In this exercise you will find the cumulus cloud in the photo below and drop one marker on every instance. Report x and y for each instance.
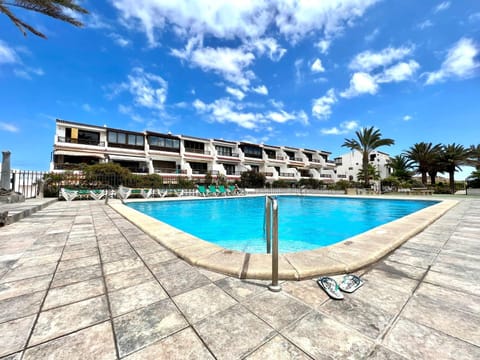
(230, 63)
(268, 46)
(460, 63)
(239, 94)
(8, 127)
(407, 118)
(226, 19)
(221, 18)
(442, 6)
(367, 61)
(322, 107)
(119, 40)
(361, 83)
(323, 45)
(262, 90)
(399, 72)
(344, 128)
(148, 90)
(225, 110)
(317, 66)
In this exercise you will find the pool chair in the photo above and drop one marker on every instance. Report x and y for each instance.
(201, 190)
(160, 192)
(231, 190)
(68, 194)
(123, 192)
(212, 190)
(221, 190)
(97, 194)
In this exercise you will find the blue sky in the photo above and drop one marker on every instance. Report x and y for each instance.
(286, 72)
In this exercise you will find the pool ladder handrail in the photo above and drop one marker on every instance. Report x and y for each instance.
(271, 233)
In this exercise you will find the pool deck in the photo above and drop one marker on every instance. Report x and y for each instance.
(80, 281)
(349, 255)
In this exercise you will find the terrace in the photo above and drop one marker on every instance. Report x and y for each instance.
(88, 283)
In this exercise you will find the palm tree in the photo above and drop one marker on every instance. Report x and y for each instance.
(474, 158)
(373, 173)
(53, 8)
(425, 156)
(452, 156)
(401, 167)
(367, 140)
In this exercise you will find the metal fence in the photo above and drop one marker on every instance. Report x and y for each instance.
(26, 182)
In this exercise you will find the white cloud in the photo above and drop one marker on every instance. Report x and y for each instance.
(298, 70)
(87, 107)
(226, 19)
(230, 63)
(399, 72)
(7, 54)
(368, 61)
(8, 127)
(474, 17)
(361, 83)
(372, 36)
(322, 107)
(27, 72)
(425, 24)
(148, 90)
(262, 90)
(221, 18)
(270, 46)
(239, 94)
(407, 118)
(460, 62)
(317, 66)
(224, 110)
(283, 116)
(296, 19)
(323, 45)
(344, 128)
(119, 40)
(442, 6)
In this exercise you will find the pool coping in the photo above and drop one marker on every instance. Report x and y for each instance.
(346, 256)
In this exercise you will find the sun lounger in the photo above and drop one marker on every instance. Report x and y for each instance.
(212, 190)
(221, 190)
(68, 194)
(201, 190)
(97, 194)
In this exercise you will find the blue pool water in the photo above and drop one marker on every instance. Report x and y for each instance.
(305, 223)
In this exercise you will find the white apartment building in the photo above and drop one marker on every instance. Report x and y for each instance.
(172, 156)
(348, 165)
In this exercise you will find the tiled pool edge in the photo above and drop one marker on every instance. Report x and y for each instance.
(349, 255)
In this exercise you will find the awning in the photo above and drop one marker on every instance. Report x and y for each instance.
(78, 153)
(127, 158)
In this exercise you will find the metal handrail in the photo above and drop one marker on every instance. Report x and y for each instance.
(271, 229)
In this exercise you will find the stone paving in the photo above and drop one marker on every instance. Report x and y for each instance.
(78, 281)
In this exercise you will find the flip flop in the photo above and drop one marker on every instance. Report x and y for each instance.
(331, 287)
(350, 283)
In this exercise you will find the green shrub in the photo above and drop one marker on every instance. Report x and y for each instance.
(252, 179)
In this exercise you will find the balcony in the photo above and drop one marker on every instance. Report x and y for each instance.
(316, 161)
(280, 157)
(287, 175)
(235, 155)
(327, 176)
(80, 141)
(298, 159)
(169, 171)
(268, 174)
(197, 151)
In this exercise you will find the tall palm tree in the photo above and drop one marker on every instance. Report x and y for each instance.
(367, 140)
(401, 167)
(474, 158)
(452, 156)
(425, 156)
(53, 8)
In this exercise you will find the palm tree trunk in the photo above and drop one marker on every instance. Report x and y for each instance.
(366, 176)
(451, 178)
(433, 177)
(424, 178)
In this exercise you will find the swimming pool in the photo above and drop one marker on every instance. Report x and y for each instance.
(305, 222)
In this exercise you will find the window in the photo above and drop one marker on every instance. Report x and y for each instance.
(229, 168)
(252, 151)
(309, 156)
(129, 140)
(272, 154)
(164, 143)
(194, 146)
(290, 155)
(224, 150)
